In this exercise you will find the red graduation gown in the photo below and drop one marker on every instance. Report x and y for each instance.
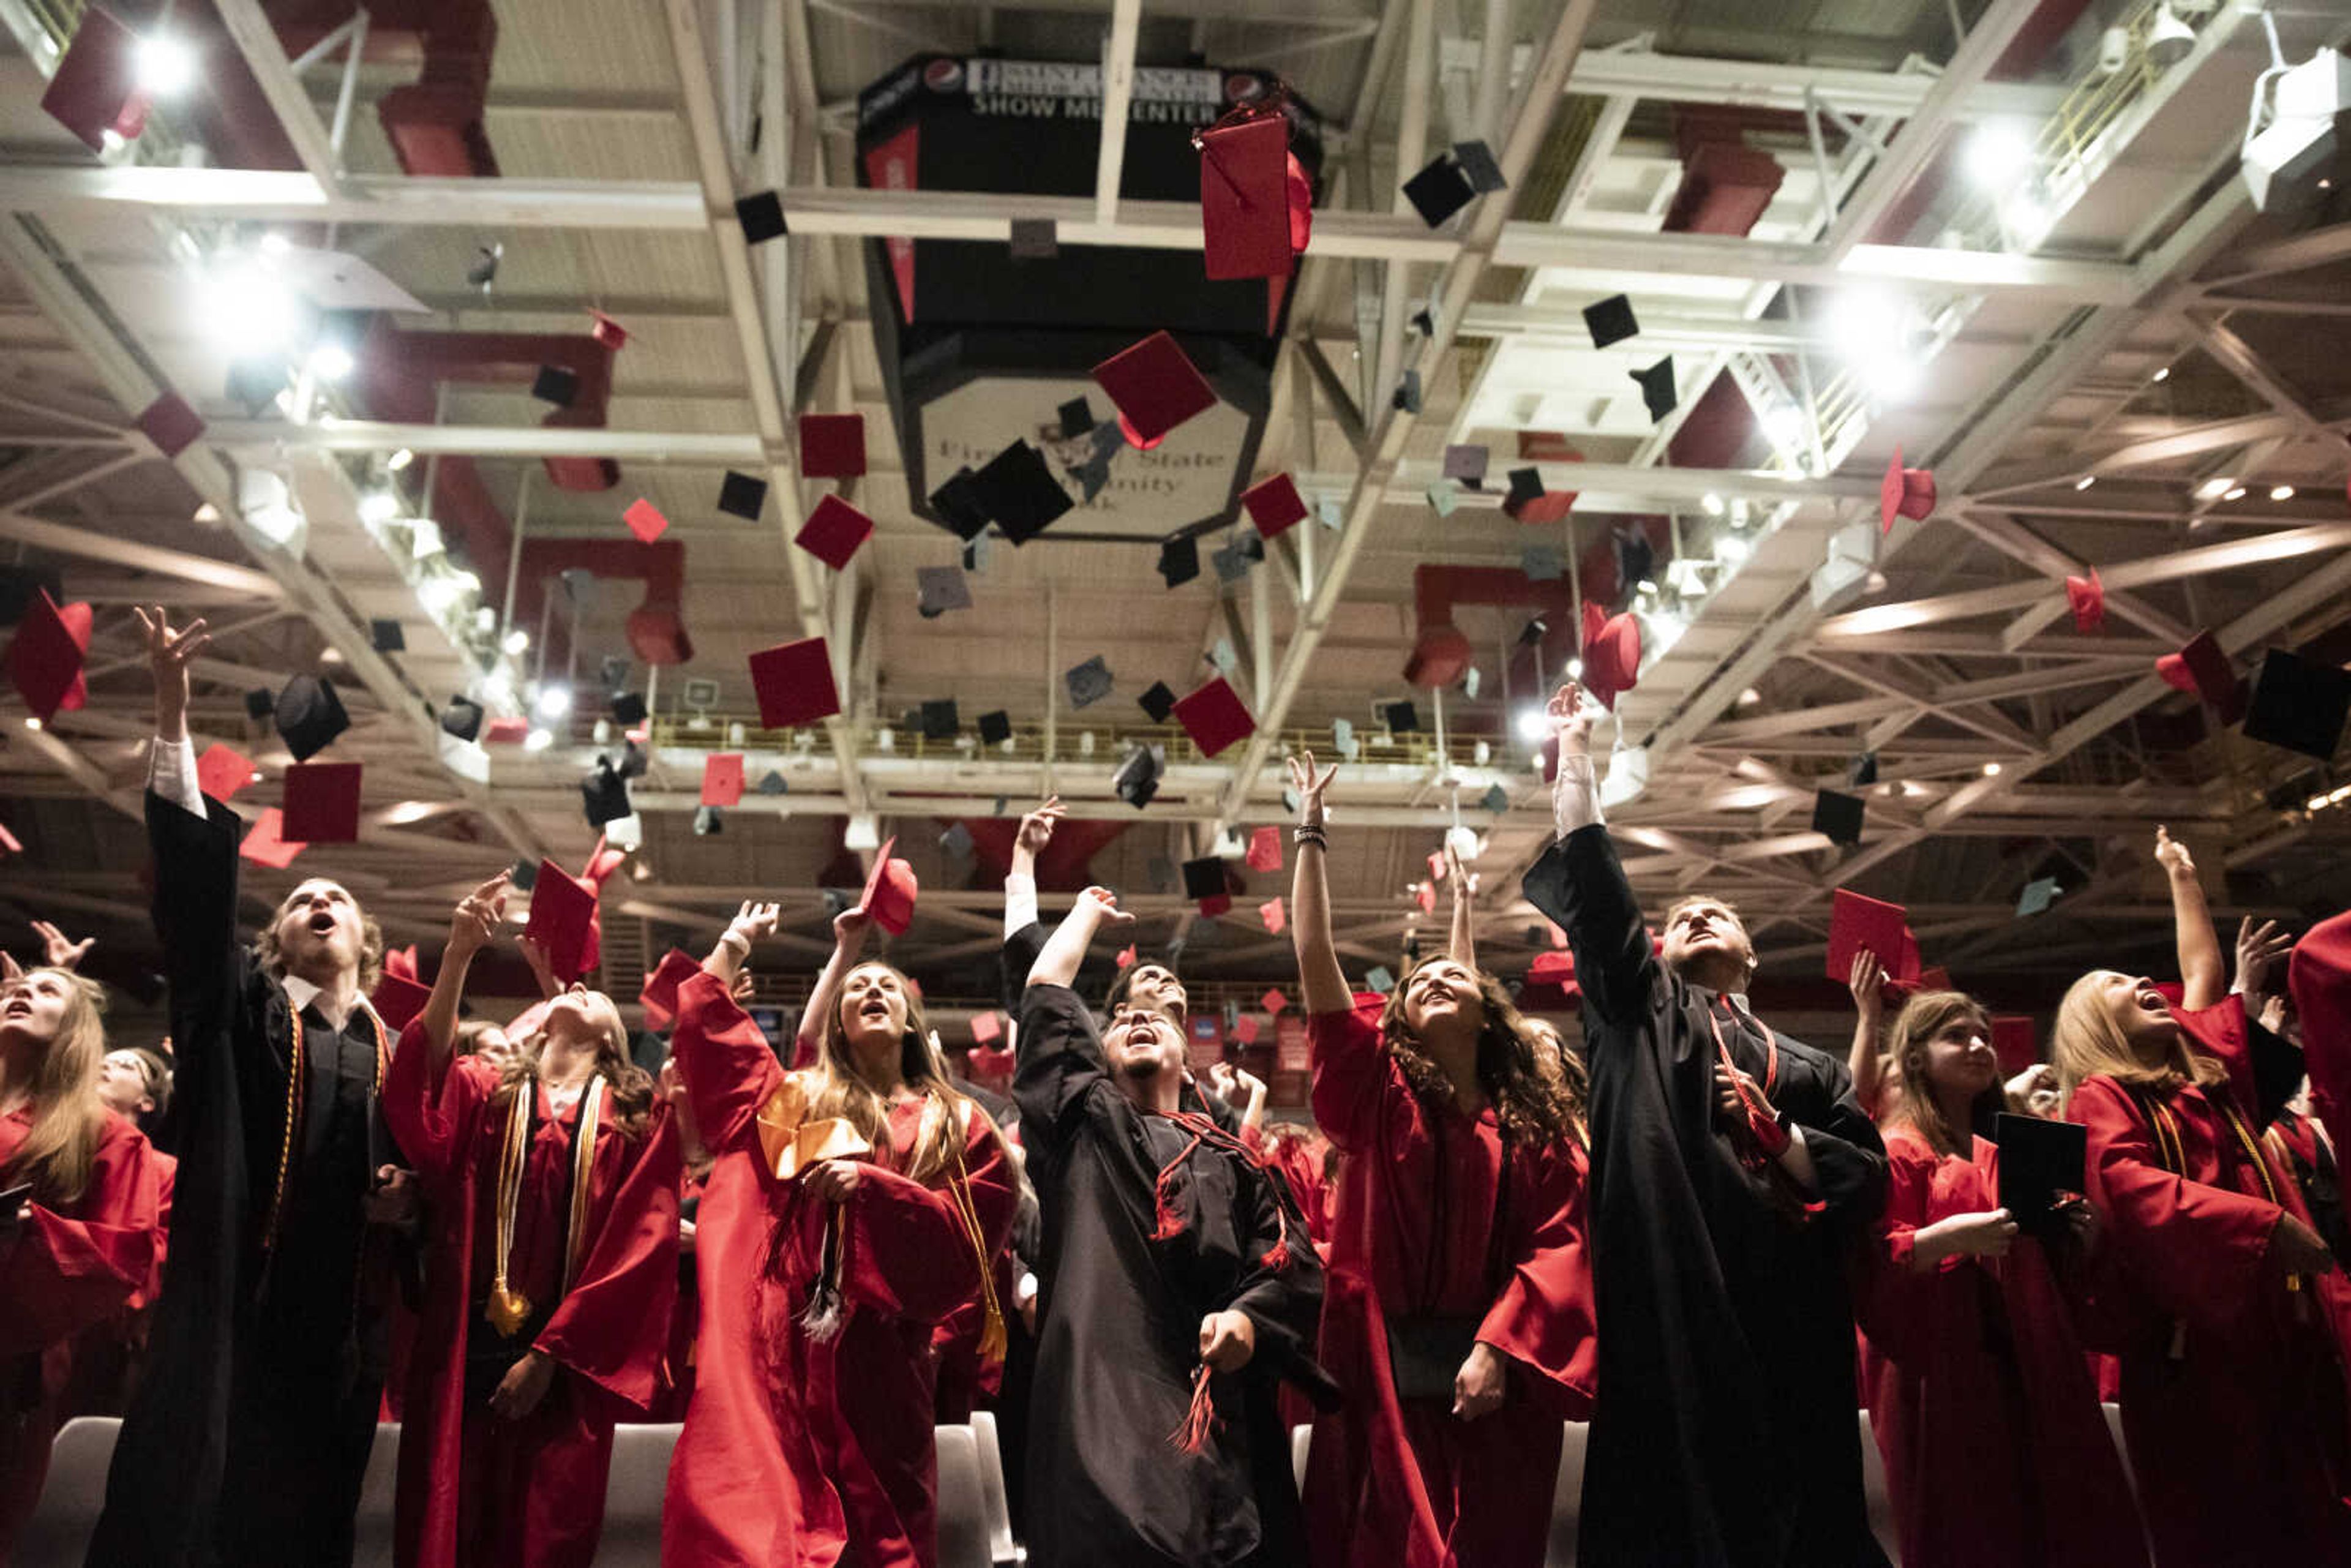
(1996, 1453)
(62, 1272)
(476, 1489)
(2238, 1441)
(798, 1453)
(1423, 1226)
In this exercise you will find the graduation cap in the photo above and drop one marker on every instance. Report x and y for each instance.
(309, 716)
(1609, 320)
(1245, 198)
(1204, 878)
(976, 553)
(1343, 739)
(722, 779)
(2085, 596)
(1862, 771)
(1035, 239)
(322, 802)
(771, 782)
(1467, 464)
(959, 504)
(940, 719)
(1232, 561)
(1273, 504)
(483, 270)
(1406, 398)
(1657, 388)
(1076, 417)
(1541, 563)
(1017, 490)
(833, 532)
(1158, 702)
(1637, 557)
(994, 727)
(1265, 849)
(1215, 717)
(20, 584)
(1496, 800)
(1444, 496)
(645, 520)
(1277, 920)
(557, 385)
(2038, 895)
(385, 636)
(223, 770)
(1838, 817)
(1156, 386)
(1330, 514)
(562, 919)
(889, 889)
(2203, 668)
(1859, 923)
(266, 844)
(1612, 653)
(1088, 682)
(832, 445)
(606, 331)
(1526, 488)
(45, 659)
(1104, 441)
(1477, 166)
(398, 998)
(1401, 717)
(939, 588)
(1290, 798)
(794, 684)
(1137, 778)
(1438, 190)
(1423, 321)
(742, 496)
(1904, 492)
(2298, 704)
(1379, 980)
(658, 994)
(707, 822)
(956, 842)
(761, 214)
(628, 709)
(170, 425)
(604, 794)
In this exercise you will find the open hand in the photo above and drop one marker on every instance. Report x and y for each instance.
(524, 1386)
(848, 927)
(1310, 787)
(1037, 827)
(1867, 984)
(1104, 904)
(169, 655)
(1571, 719)
(60, 951)
(474, 923)
(755, 920)
(2257, 949)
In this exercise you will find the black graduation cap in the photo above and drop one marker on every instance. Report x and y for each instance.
(2298, 704)
(939, 588)
(1534, 632)
(1637, 557)
(1077, 418)
(1862, 771)
(1204, 878)
(772, 783)
(1401, 717)
(309, 716)
(1019, 492)
(635, 763)
(742, 496)
(557, 385)
(1231, 560)
(462, 719)
(613, 670)
(1179, 559)
(1657, 388)
(1526, 488)
(1609, 320)
(1158, 702)
(707, 822)
(20, 584)
(260, 703)
(385, 636)
(1838, 816)
(1477, 166)
(940, 720)
(1408, 393)
(628, 709)
(959, 504)
(523, 875)
(761, 216)
(994, 728)
(1035, 239)
(1088, 682)
(485, 268)
(1137, 778)
(604, 794)
(956, 842)
(1439, 191)
(1423, 321)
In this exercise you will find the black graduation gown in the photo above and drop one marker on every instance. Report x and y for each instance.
(1119, 1325)
(1724, 1430)
(247, 1441)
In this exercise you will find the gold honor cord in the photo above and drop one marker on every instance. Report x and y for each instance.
(507, 1309)
(297, 1100)
(993, 1339)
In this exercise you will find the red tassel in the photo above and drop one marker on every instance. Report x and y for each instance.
(1201, 1421)
(1170, 1224)
(1277, 1257)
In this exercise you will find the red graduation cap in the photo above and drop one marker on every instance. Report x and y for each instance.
(1612, 653)
(223, 770)
(2203, 668)
(985, 1030)
(1273, 1001)
(1437, 867)
(889, 889)
(1274, 505)
(45, 661)
(95, 87)
(1245, 224)
(1246, 1029)
(645, 520)
(1425, 894)
(1126, 957)
(2319, 977)
(832, 445)
(1265, 849)
(2016, 1042)
(606, 331)
(794, 682)
(401, 994)
(722, 779)
(1276, 918)
(833, 532)
(171, 423)
(1857, 923)
(1210, 908)
(562, 921)
(659, 993)
(267, 842)
(506, 730)
(1214, 718)
(322, 802)
(2086, 596)
(1904, 492)
(1155, 386)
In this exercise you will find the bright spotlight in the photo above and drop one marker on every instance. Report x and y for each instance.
(539, 741)
(555, 703)
(401, 459)
(518, 642)
(1992, 769)
(2233, 493)
(1731, 549)
(331, 361)
(1712, 503)
(246, 305)
(1785, 426)
(424, 540)
(379, 507)
(165, 65)
(2086, 481)
(1998, 152)
(2280, 492)
(1576, 669)
(1532, 726)
(2214, 489)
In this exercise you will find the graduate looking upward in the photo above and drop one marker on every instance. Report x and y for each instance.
(1733, 1179)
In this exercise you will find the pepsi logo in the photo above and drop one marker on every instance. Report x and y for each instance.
(943, 75)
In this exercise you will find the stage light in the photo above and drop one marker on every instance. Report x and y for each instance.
(2086, 481)
(2169, 40)
(1992, 769)
(518, 642)
(165, 65)
(379, 507)
(2294, 137)
(401, 459)
(330, 361)
(1712, 503)
(2280, 492)
(1533, 725)
(537, 740)
(1998, 152)
(555, 703)
(2235, 492)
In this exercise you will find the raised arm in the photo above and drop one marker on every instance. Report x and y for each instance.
(1462, 948)
(1065, 950)
(1319, 975)
(1022, 935)
(1867, 1062)
(848, 941)
(1578, 884)
(2203, 974)
(173, 770)
(472, 927)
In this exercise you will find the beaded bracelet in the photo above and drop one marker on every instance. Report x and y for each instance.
(1308, 834)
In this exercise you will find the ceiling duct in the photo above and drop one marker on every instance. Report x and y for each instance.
(434, 124)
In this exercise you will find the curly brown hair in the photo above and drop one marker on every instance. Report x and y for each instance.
(628, 1088)
(272, 962)
(1531, 1105)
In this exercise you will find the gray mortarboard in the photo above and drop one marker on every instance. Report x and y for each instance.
(1019, 492)
(1001, 802)
(462, 719)
(1477, 166)
(1467, 464)
(1657, 388)
(2298, 704)
(939, 719)
(1232, 562)
(1401, 717)
(956, 842)
(1088, 682)
(1221, 654)
(1160, 874)
(1179, 561)
(1204, 878)
(1541, 563)
(1471, 679)
(977, 553)
(1158, 702)
(939, 588)
(1093, 474)
(707, 822)
(635, 763)
(761, 213)
(1609, 320)
(994, 727)
(1439, 192)
(1408, 393)
(557, 385)
(613, 671)
(772, 783)
(628, 709)
(385, 636)
(523, 875)
(309, 716)
(1838, 816)
(1077, 418)
(1443, 496)
(1496, 800)
(1137, 778)
(1343, 737)
(1035, 239)
(484, 272)
(742, 496)
(959, 504)
(1379, 980)
(1862, 771)
(260, 703)
(2038, 895)
(604, 794)
(1290, 798)
(1330, 514)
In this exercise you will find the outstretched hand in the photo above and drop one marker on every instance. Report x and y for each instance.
(1868, 983)
(1310, 787)
(60, 951)
(755, 920)
(1103, 903)
(2171, 854)
(473, 925)
(1037, 827)
(1571, 719)
(2257, 949)
(169, 655)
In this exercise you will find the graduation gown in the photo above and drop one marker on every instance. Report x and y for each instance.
(1726, 1433)
(476, 1490)
(2234, 1396)
(1434, 1219)
(798, 1452)
(1119, 1322)
(62, 1272)
(1983, 1404)
(250, 1434)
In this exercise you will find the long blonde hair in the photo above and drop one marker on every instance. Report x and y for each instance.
(2086, 1041)
(1922, 1018)
(68, 1116)
(840, 1091)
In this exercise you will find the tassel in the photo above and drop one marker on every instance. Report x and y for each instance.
(821, 1317)
(1277, 1257)
(506, 1310)
(994, 1339)
(1201, 1422)
(1163, 1191)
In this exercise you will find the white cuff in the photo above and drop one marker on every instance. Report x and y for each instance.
(1019, 904)
(1575, 796)
(172, 773)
